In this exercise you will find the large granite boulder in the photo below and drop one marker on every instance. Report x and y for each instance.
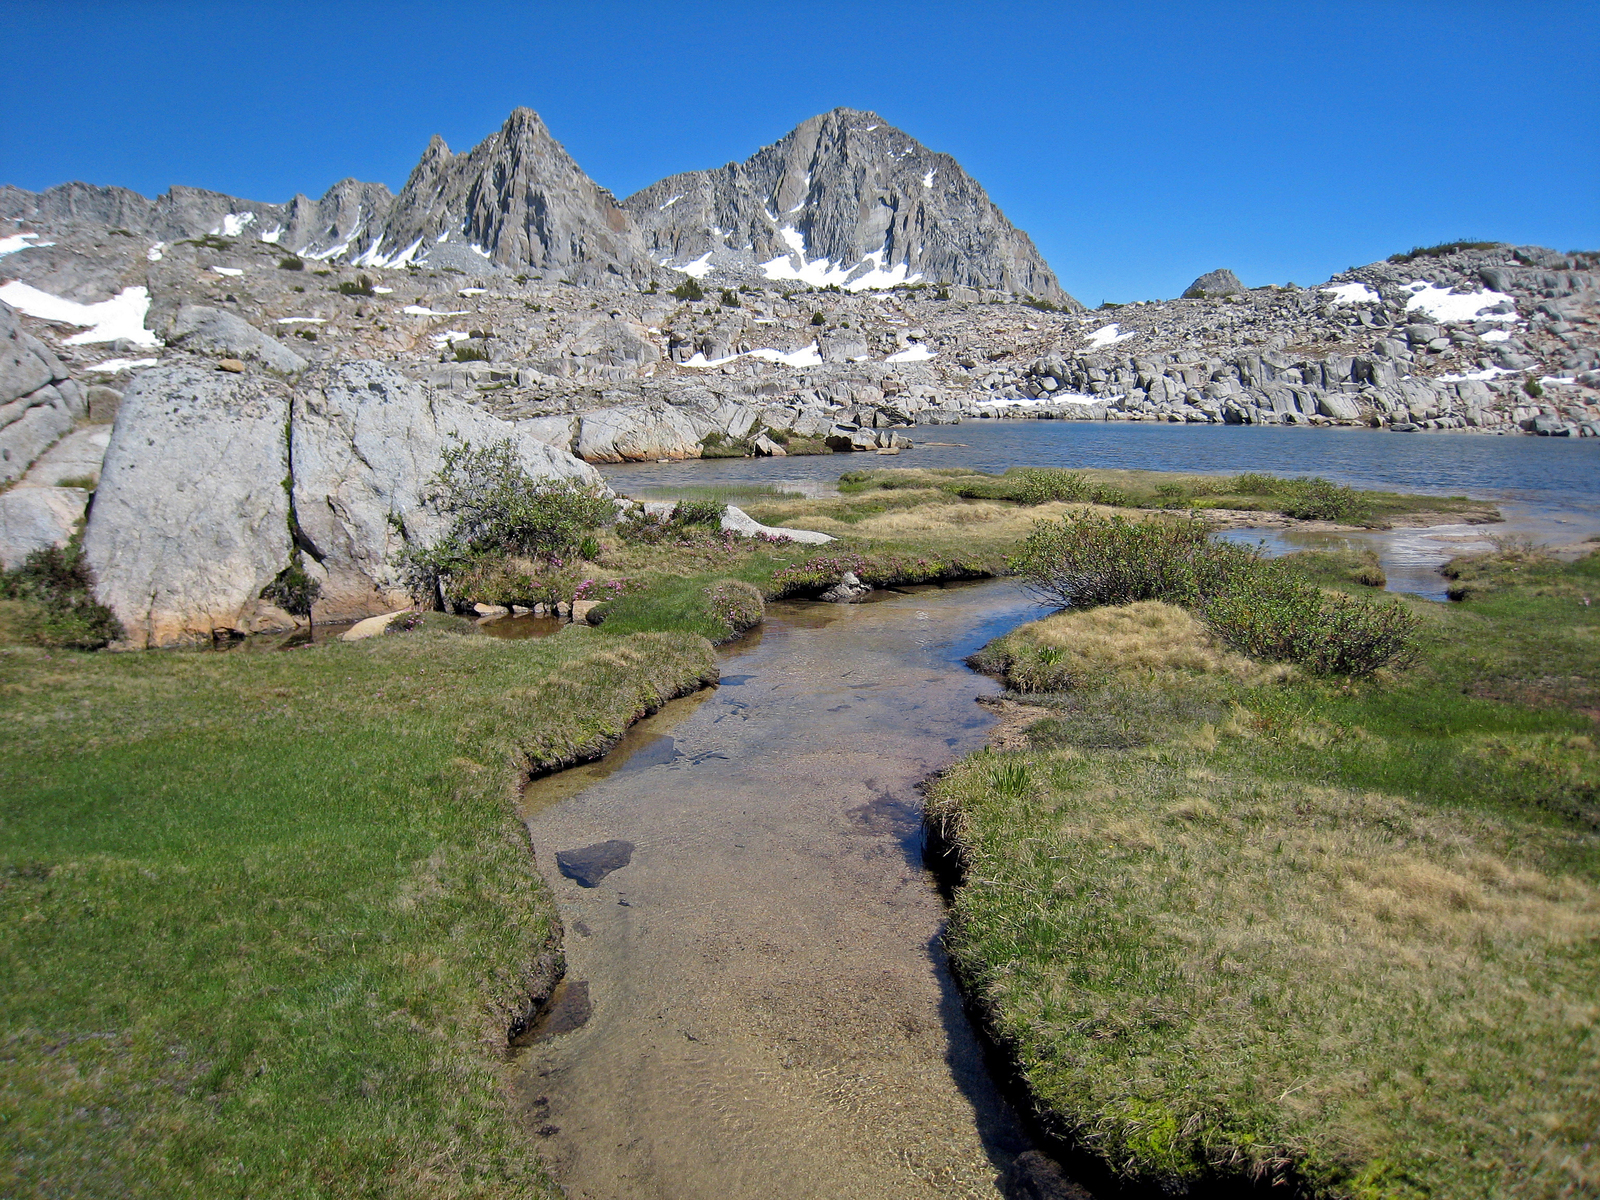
(39, 401)
(638, 433)
(366, 441)
(205, 330)
(191, 518)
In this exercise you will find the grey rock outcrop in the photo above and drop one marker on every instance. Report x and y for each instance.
(191, 519)
(848, 186)
(34, 518)
(1221, 282)
(366, 442)
(39, 400)
(736, 520)
(520, 198)
(204, 330)
(638, 433)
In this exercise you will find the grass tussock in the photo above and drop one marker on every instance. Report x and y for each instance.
(1209, 972)
(265, 919)
(1074, 650)
(1340, 935)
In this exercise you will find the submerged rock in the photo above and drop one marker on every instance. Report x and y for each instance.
(588, 865)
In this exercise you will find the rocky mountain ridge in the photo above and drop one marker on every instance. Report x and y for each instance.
(862, 204)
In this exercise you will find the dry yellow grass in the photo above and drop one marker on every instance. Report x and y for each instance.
(1079, 648)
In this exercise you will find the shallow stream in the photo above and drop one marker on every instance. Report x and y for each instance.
(768, 1009)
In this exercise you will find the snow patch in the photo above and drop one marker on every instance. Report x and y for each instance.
(1108, 336)
(1495, 335)
(154, 253)
(699, 268)
(233, 224)
(1352, 293)
(927, 180)
(302, 320)
(448, 336)
(231, 272)
(112, 365)
(445, 236)
(122, 316)
(378, 291)
(419, 310)
(1444, 305)
(478, 250)
(10, 245)
(913, 353)
(404, 257)
(808, 357)
(1559, 379)
(472, 291)
(1485, 374)
(671, 202)
(821, 272)
(272, 235)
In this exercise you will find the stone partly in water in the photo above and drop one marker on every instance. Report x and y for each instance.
(588, 865)
(848, 590)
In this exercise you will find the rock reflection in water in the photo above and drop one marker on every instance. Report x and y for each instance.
(771, 1011)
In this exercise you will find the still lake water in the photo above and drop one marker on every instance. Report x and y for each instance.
(1548, 489)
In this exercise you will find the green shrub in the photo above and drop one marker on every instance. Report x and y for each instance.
(291, 262)
(1041, 485)
(1260, 607)
(698, 512)
(292, 589)
(818, 319)
(729, 300)
(1253, 484)
(1533, 387)
(689, 289)
(361, 286)
(1317, 499)
(497, 509)
(1440, 250)
(470, 353)
(57, 592)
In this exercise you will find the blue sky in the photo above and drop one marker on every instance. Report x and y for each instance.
(1140, 144)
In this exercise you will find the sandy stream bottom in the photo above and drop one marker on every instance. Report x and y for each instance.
(771, 1012)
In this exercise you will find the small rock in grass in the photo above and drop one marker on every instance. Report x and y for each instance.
(588, 865)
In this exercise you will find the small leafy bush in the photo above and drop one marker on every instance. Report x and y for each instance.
(689, 289)
(292, 589)
(361, 286)
(497, 509)
(818, 319)
(57, 592)
(1533, 387)
(729, 300)
(1045, 484)
(1317, 499)
(291, 262)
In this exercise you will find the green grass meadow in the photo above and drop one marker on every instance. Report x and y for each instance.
(1342, 935)
(268, 916)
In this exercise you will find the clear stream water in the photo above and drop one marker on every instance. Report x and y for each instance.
(769, 1013)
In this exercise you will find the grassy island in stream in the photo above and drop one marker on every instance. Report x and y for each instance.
(1232, 919)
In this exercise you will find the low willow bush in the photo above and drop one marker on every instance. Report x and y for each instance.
(1260, 607)
(54, 601)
